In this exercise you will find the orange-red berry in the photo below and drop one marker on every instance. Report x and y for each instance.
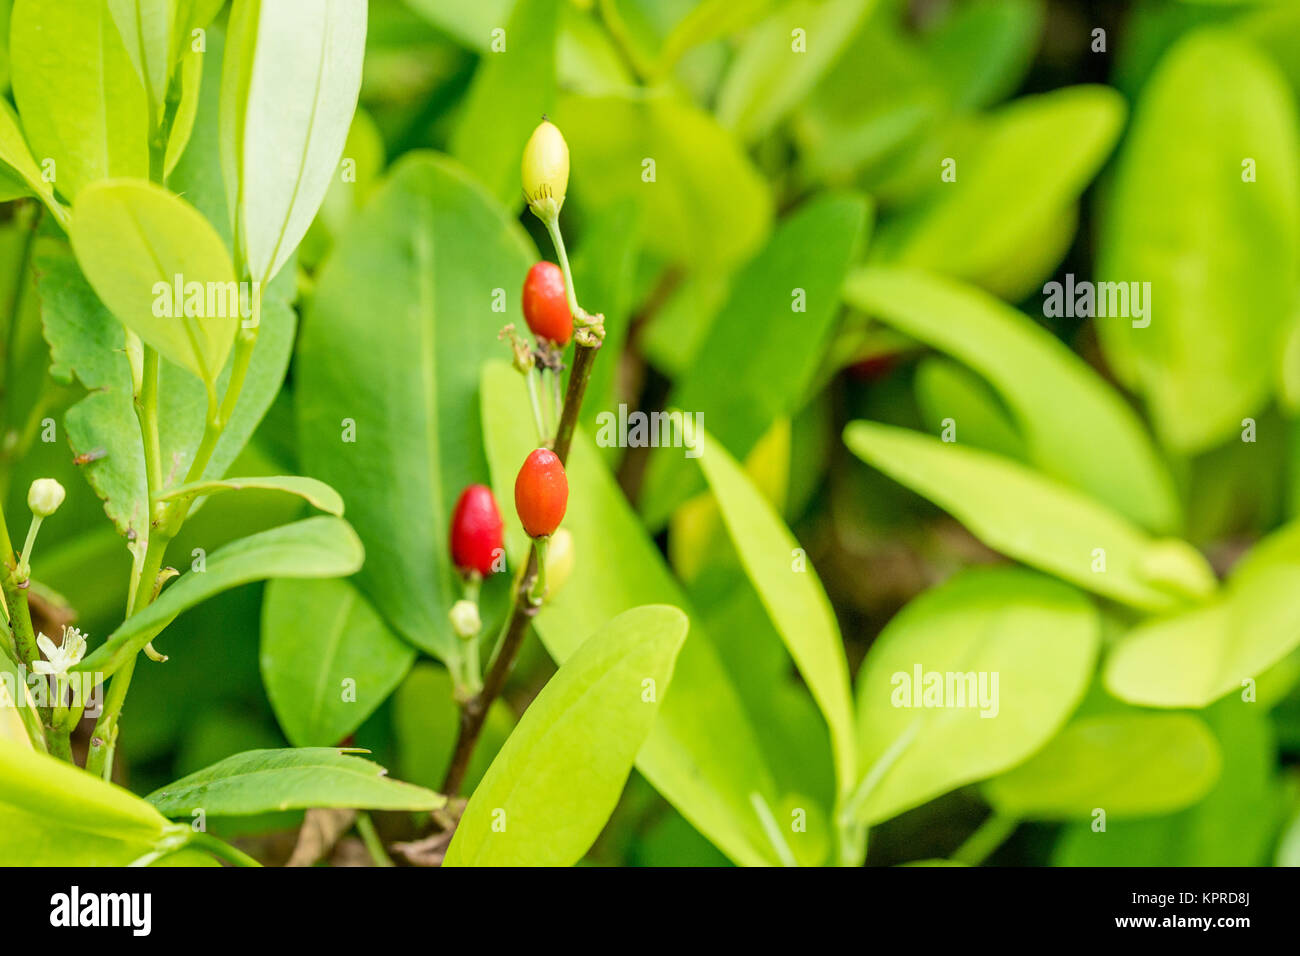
(546, 304)
(541, 493)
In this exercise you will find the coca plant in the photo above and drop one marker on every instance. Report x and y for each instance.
(164, 266)
(576, 599)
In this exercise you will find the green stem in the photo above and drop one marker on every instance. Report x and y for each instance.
(538, 418)
(557, 237)
(222, 850)
(103, 740)
(369, 836)
(60, 743)
(20, 616)
(992, 833)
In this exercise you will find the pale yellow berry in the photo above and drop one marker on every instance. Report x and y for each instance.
(560, 555)
(546, 170)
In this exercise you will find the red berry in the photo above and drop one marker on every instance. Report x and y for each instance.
(546, 306)
(541, 493)
(476, 528)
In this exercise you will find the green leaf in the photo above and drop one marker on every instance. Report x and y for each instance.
(139, 245)
(55, 814)
(1194, 658)
(762, 352)
(1212, 103)
(604, 272)
(146, 28)
(707, 21)
(86, 341)
(313, 548)
(328, 660)
(701, 753)
(187, 110)
(427, 252)
(1234, 825)
(1128, 764)
(16, 155)
(289, 89)
(558, 777)
(20, 721)
(946, 390)
(1029, 159)
(317, 493)
(1077, 429)
(1036, 637)
(426, 722)
(982, 49)
(81, 101)
(1037, 520)
(708, 207)
(793, 596)
(512, 89)
(259, 781)
(770, 75)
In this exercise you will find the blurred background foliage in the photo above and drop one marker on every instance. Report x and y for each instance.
(767, 167)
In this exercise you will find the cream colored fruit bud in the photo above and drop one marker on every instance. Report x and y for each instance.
(559, 560)
(44, 497)
(546, 170)
(465, 619)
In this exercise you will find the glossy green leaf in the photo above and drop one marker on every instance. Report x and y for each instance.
(1234, 825)
(259, 781)
(20, 721)
(86, 341)
(1128, 764)
(1076, 428)
(1037, 520)
(289, 89)
(426, 253)
(982, 49)
(701, 753)
(782, 59)
(328, 660)
(793, 596)
(707, 21)
(1029, 159)
(19, 164)
(781, 307)
(426, 722)
(1212, 104)
(702, 202)
(554, 784)
(146, 28)
(317, 493)
(187, 110)
(133, 240)
(950, 394)
(81, 101)
(55, 814)
(512, 89)
(313, 548)
(1194, 658)
(930, 715)
(604, 273)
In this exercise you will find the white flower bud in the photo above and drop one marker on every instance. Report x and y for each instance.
(44, 497)
(464, 619)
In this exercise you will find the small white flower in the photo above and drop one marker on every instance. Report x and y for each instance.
(59, 659)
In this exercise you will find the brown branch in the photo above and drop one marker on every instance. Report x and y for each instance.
(474, 711)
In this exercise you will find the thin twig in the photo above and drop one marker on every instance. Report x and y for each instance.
(522, 611)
